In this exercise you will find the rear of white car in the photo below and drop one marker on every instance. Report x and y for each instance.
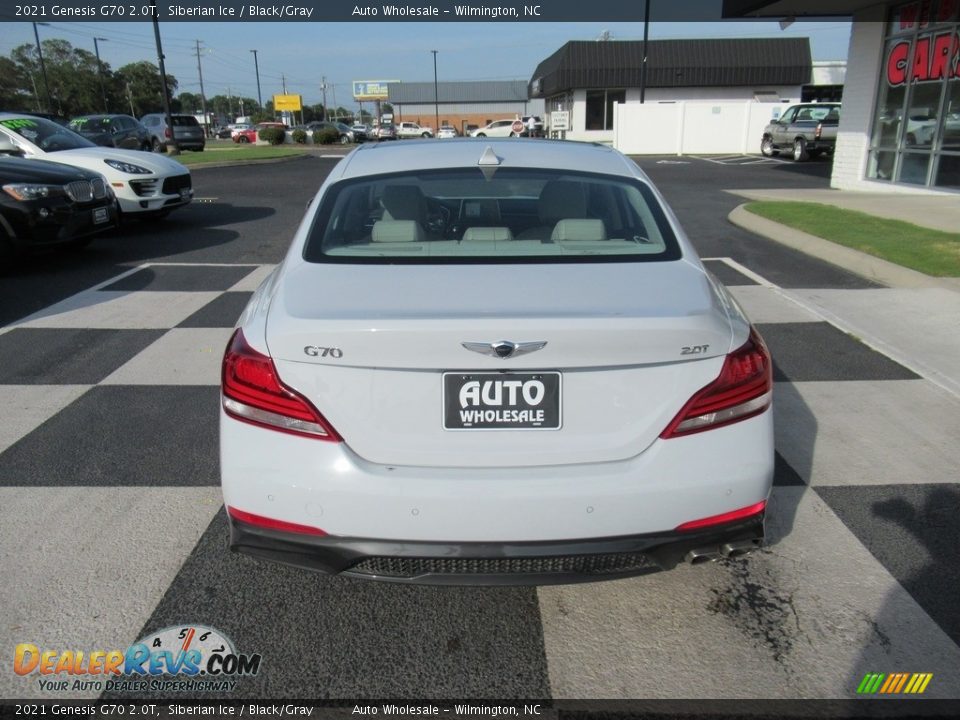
(485, 364)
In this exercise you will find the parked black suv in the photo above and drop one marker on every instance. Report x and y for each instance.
(43, 204)
(120, 131)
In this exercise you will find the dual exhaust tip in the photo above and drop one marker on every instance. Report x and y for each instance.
(712, 553)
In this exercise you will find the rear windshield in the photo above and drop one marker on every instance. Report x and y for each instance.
(515, 215)
(184, 120)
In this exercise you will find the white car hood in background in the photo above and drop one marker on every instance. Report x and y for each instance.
(93, 159)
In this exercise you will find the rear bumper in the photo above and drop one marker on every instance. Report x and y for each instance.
(521, 563)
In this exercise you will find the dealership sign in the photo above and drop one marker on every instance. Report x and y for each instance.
(934, 57)
(371, 89)
(931, 56)
(287, 103)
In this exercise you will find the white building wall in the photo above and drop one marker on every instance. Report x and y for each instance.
(653, 96)
(859, 93)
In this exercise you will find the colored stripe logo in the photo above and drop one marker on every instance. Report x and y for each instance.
(894, 683)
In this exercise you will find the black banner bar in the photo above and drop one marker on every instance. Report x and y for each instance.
(447, 709)
(358, 10)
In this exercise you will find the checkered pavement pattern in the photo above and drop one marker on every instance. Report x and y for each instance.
(111, 525)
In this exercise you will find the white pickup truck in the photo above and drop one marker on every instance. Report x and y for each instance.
(413, 130)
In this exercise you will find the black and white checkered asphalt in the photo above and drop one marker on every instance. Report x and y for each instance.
(113, 526)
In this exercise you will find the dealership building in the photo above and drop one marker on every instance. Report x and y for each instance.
(900, 124)
(587, 78)
(461, 104)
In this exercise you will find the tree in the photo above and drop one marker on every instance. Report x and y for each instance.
(72, 74)
(141, 81)
(15, 87)
(190, 103)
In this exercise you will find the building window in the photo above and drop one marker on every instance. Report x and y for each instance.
(916, 129)
(600, 108)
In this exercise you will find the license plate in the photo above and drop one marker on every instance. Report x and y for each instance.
(100, 215)
(501, 401)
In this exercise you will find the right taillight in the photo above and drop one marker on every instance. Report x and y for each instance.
(252, 392)
(742, 390)
(167, 134)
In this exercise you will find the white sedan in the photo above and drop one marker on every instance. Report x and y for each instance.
(146, 184)
(493, 362)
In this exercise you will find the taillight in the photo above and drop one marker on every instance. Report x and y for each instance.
(166, 133)
(272, 523)
(252, 392)
(818, 131)
(727, 517)
(742, 390)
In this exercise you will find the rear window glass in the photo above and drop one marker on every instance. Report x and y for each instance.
(184, 120)
(514, 215)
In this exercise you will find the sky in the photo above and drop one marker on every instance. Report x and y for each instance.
(304, 53)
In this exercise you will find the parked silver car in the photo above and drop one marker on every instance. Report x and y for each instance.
(186, 131)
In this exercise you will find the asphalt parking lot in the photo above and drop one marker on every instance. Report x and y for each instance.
(111, 522)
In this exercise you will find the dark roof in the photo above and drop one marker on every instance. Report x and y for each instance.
(792, 8)
(674, 63)
(459, 92)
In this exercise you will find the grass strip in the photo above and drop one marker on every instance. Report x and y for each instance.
(929, 251)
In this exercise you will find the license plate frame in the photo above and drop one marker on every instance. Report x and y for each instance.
(551, 402)
(101, 215)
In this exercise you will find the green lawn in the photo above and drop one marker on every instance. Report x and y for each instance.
(929, 251)
(238, 153)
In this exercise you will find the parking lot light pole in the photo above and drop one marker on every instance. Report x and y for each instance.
(436, 96)
(43, 66)
(103, 88)
(256, 67)
(172, 146)
(643, 65)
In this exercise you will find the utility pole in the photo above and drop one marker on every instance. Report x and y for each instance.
(43, 67)
(172, 146)
(130, 99)
(323, 86)
(256, 67)
(203, 99)
(333, 89)
(103, 89)
(436, 96)
(643, 66)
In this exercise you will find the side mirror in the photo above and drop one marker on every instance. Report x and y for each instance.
(8, 146)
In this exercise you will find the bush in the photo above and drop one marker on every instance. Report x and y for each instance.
(326, 136)
(274, 136)
(300, 136)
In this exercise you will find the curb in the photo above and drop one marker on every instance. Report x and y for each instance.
(859, 263)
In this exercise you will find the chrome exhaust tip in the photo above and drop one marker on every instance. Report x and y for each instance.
(699, 556)
(739, 548)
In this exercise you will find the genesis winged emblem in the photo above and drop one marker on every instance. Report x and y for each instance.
(504, 349)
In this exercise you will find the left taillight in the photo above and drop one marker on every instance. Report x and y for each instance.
(742, 390)
(253, 392)
(819, 131)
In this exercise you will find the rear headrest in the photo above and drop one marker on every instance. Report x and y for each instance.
(403, 202)
(562, 199)
(487, 233)
(395, 231)
(579, 230)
